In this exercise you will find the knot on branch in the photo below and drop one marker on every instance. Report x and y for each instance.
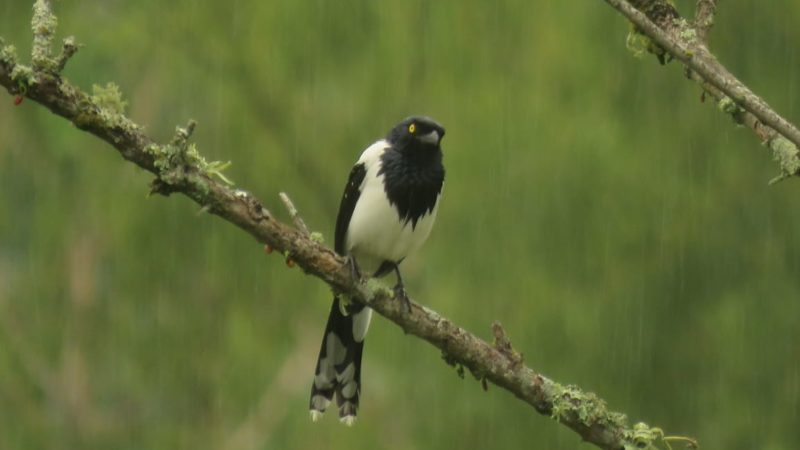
(255, 209)
(503, 345)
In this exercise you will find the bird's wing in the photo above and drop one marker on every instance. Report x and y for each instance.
(349, 199)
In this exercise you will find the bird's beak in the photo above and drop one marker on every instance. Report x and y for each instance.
(431, 138)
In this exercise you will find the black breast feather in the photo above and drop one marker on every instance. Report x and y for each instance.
(412, 184)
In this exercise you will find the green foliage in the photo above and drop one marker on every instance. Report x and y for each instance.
(645, 437)
(619, 228)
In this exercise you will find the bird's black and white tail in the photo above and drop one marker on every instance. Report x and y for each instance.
(339, 363)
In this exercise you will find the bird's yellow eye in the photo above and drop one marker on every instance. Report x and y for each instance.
(412, 128)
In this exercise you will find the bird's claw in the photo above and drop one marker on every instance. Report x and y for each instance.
(355, 273)
(400, 294)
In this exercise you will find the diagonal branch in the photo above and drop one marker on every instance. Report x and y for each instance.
(179, 168)
(661, 22)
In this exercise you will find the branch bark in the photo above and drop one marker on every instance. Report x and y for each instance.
(179, 168)
(663, 24)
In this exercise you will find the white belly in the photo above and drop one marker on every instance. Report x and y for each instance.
(376, 233)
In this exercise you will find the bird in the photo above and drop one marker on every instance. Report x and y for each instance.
(387, 211)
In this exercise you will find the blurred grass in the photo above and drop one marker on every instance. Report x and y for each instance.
(621, 230)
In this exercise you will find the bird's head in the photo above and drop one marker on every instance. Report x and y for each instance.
(417, 132)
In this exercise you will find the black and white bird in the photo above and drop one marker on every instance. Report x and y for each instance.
(387, 212)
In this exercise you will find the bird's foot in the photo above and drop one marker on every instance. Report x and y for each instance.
(355, 272)
(400, 294)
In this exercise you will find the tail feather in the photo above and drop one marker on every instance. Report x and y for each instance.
(338, 371)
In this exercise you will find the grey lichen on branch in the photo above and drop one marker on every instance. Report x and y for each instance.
(179, 168)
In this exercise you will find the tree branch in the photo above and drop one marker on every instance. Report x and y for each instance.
(661, 22)
(179, 168)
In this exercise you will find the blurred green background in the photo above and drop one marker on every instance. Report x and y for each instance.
(621, 230)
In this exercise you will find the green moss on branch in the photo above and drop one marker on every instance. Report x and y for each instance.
(571, 403)
(787, 155)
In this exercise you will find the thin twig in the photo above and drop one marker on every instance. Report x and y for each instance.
(182, 135)
(43, 24)
(68, 49)
(503, 344)
(704, 18)
(295, 215)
